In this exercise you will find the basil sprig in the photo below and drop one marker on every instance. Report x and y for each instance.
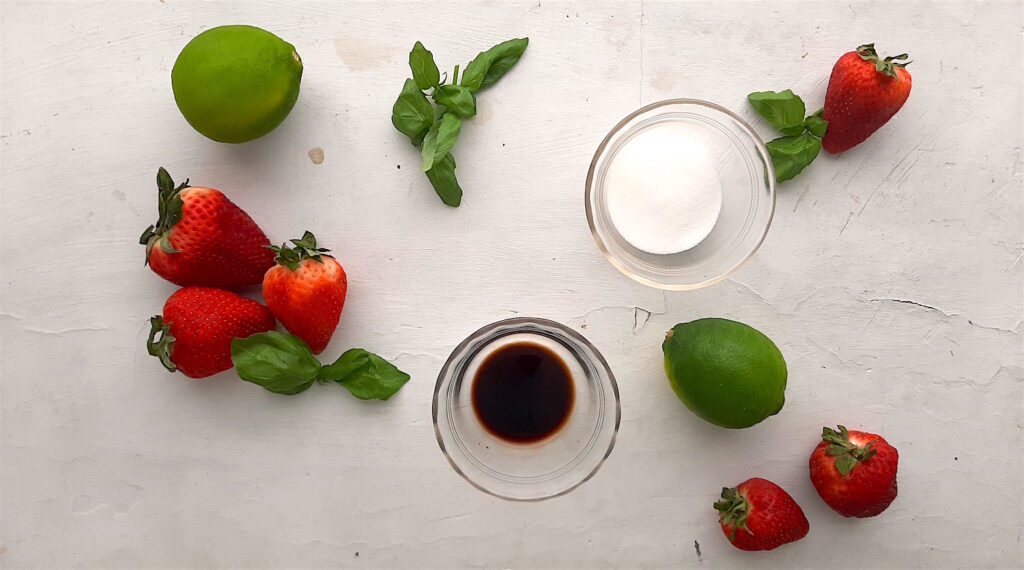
(801, 140)
(283, 364)
(435, 128)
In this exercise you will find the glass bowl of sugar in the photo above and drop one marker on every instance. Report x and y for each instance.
(680, 194)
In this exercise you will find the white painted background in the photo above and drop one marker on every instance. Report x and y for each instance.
(891, 280)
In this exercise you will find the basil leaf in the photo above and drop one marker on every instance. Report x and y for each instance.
(792, 154)
(438, 143)
(816, 124)
(784, 110)
(412, 113)
(473, 76)
(458, 99)
(503, 56)
(279, 362)
(424, 70)
(430, 143)
(365, 374)
(442, 178)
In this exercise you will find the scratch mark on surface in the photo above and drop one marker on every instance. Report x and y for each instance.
(906, 173)
(992, 378)
(848, 218)
(870, 322)
(1015, 261)
(945, 314)
(584, 316)
(755, 293)
(641, 52)
(451, 518)
(991, 328)
(886, 179)
(62, 332)
(834, 354)
(801, 197)
(800, 303)
(910, 302)
(639, 324)
(404, 354)
(696, 546)
(872, 195)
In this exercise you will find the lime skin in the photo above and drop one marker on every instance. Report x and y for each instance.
(236, 83)
(726, 372)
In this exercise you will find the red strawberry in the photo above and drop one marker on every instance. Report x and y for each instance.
(202, 238)
(864, 92)
(854, 472)
(197, 327)
(759, 515)
(306, 291)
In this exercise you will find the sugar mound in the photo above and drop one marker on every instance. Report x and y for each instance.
(664, 192)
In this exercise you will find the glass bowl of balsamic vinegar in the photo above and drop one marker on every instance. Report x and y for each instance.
(526, 409)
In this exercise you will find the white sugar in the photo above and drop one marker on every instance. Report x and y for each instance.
(664, 193)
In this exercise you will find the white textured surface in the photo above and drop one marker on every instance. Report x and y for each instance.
(891, 280)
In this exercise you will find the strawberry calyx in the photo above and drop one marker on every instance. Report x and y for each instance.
(733, 510)
(162, 347)
(305, 248)
(169, 204)
(885, 66)
(847, 454)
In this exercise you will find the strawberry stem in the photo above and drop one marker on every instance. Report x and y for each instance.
(885, 66)
(161, 348)
(847, 453)
(169, 204)
(733, 510)
(305, 248)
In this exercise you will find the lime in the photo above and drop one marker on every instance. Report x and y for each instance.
(236, 83)
(726, 372)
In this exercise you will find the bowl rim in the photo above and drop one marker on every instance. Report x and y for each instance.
(622, 267)
(519, 322)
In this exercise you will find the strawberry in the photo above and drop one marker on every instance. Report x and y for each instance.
(864, 92)
(198, 325)
(759, 515)
(306, 291)
(202, 238)
(854, 472)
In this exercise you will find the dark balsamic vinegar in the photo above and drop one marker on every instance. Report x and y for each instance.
(523, 392)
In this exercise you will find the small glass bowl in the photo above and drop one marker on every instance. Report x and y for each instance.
(748, 197)
(539, 470)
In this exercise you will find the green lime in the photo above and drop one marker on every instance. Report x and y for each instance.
(726, 372)
(236, 83)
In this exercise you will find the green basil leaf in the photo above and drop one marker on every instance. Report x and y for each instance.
(816, 124)
(784, 110)
(279, 362)
(790, 131)
(474, 74)
(458, 99)
(438, 143)
(412, 113)
(430, 143)
(366, 375)
(792, 154)
(503, 56)
(424, 70)
(442, 178)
